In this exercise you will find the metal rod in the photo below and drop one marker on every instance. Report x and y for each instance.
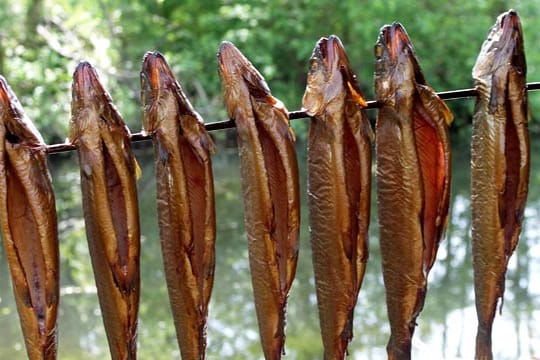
(298, 114)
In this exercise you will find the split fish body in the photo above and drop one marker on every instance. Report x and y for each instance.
(339, 185)
(413, 181)
(108, 183)
(29, 226)
(269, 175)
(500, 157)
(185, 197)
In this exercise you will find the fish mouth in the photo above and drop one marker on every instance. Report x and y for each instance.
(509, 22)
(393, 41)
(86, 85)
(394, 49)
(330, 54)
(509, 26)
(234, 67)
(19, 129)
(504, 43)
(230, 60)
(156, 73)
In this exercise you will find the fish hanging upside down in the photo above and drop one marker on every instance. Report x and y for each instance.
(500, 157)
(413, 181)
(269, 174)
(29, 226)
(185, 191)
(108, 175)
(339, 189)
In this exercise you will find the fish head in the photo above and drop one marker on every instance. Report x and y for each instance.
(503, 46)
(17, 126)
(330, 78)
(87, 90)
(395, 63)
(90, 102)
(242, 83)
(161, 95)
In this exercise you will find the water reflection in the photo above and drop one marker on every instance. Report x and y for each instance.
(446, 327)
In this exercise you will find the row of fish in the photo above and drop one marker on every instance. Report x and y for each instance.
(413, 187)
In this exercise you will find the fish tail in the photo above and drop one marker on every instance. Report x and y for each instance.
(399, 350)
(483, 343)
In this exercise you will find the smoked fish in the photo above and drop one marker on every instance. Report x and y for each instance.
(185, 199)
(500, 157)
(413, 181)
(269, 175)
(29, 226)
(339, 190)
(109, 194)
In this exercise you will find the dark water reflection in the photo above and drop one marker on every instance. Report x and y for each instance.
(446, 327)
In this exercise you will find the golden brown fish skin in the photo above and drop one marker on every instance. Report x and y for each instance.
(29, 226)
(413, 180)
(500, 158)
(108, 183)
(185, 188)
(339, 189)
(269, 174)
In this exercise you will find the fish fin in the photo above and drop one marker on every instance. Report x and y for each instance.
(517, 157)
(435, 104)
(197, 136)
(356, 96)
(136, 168)
(432, 146)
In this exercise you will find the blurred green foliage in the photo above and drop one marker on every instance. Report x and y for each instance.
(42, 41)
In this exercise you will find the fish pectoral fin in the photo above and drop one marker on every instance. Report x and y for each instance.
(434, 104)
(431, 147)
(199, 140)
(356, 96)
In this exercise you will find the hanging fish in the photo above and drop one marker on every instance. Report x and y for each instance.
(108, 174)
(185, 188)
(269, 174)
(29, 226)
(413, 181)
(339, 185)
(500, 157)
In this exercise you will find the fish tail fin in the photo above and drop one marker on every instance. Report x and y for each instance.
(399, 351)
(483, 344)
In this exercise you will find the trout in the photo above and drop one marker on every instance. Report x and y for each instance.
(413, 181)
(109, 194)
(29, 226)
(269, 174)
(500, 157)
(339, 189)
(185, 198)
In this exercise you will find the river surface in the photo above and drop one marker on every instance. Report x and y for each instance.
(446, 327)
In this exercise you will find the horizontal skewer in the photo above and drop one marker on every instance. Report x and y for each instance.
(297, 114)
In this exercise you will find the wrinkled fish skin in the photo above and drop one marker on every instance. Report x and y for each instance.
(269, 174)
(413, 180)
(29, 226)
(500, 157)
(108, 172)
(339, 185)
(185, 188)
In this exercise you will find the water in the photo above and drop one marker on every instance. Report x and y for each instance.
(446, 327)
